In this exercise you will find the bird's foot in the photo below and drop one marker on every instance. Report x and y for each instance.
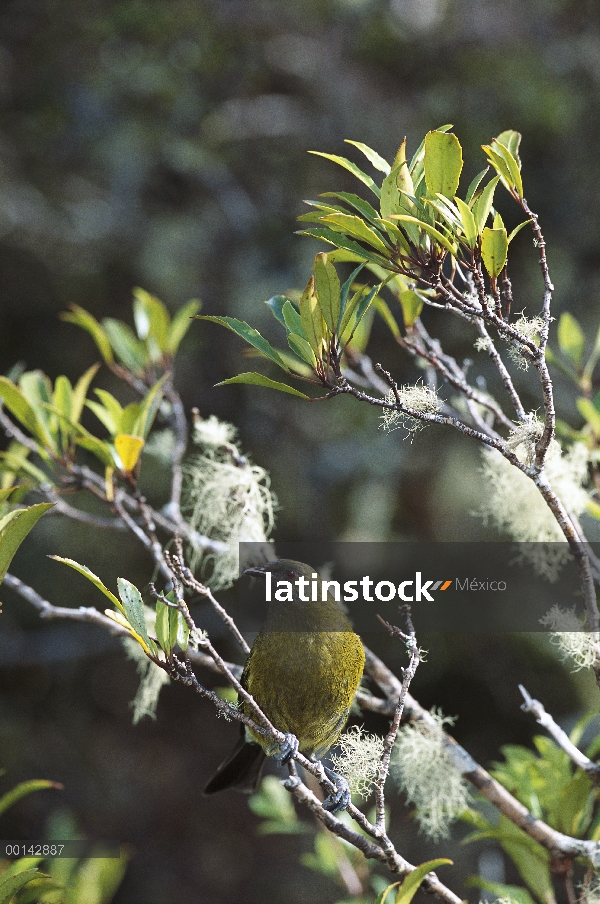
(289, 749)
(340, 798)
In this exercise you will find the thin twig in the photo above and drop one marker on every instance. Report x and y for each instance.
(544, 719)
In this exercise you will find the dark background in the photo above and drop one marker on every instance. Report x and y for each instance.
(165, 145)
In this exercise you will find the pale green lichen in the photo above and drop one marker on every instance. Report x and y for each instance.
(425, 771)
(358, 759)
(225, 497)
(514, 504)
(152, 680)
(567, 633)
(418, 397)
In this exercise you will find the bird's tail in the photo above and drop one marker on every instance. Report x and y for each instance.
(241, 770)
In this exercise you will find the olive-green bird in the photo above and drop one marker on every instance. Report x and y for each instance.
(303, 671)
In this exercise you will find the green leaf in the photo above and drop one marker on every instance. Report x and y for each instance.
(344, 294)
(276, 304)
(300, 346)
(483, 204)
(62, 397)
(431, 230)
(413, 881)
(292, 319)
(166, 626)
(80, 392)
(148, 409)
(355, 201)
(468, 223)
(10, 886)
(474, 186)
(397, 188)
(152, 321)
(416, 164)
(180, 324)
(372, 156)
(88, 322)
(517, 230)
(255, 379)
(327, 288)
(510, 140)
(15, 529)
(349, 224)
(125, 344)
(23, 411)
(23, 789)
(351, 167)
(311, 323)
(249, 334)
(412, 305)
(443, 163)
(571, 339)
(343, 242)
(104, 416)
(95, 580)
(494, 249)
(133, 608)
(100, 449)
(17, 463)
(505, 165)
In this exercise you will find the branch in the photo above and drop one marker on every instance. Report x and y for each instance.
(562, 739)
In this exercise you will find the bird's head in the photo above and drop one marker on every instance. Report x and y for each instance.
(282, 570)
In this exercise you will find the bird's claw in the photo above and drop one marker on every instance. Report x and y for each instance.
(289, 749)
(340, 798)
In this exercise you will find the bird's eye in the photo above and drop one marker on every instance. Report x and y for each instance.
(290, 575)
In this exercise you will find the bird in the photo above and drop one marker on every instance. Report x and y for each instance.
(303, 670)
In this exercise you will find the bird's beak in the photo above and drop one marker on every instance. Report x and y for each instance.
(256, 570)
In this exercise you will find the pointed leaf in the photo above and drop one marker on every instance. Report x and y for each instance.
(351, 167)
(152, 320)
(100, 449)
(62, 397)
(300, 346)
(413, 881)
(349, 224)
(311, 319)
(129, 449)
(23, 411)
(292, 319)
(22, 790)
(344, 293)
(180, 324)
(517, 229)
(494, 248)
(511, 140)
(355, 201)
(443, 163)
(474, 186)
(133, 607)
(343, 242)
(10, 886)
(327, 287)
(88, 322)
(166, 626)
(276, 304)
(149, 408)
(249, 334)
(254, 379)
(513, 163)
(468, 223)
(14, 532)
(372, 156)
(95, 580)
(483, 204)
(395, 188)
(430, 230)
(104, 416)
(80, 392)
(127, 347)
